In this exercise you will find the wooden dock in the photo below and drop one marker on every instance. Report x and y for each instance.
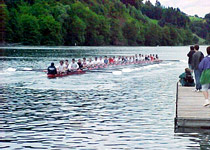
(190, 112)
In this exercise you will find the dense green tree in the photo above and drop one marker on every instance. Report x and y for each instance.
(13, 27)
(174, 35)
(208, 38)
(195, 39)
(29, 30)
(135, 3)
(153, 35)
(166, 39)
(99, 22)
(116, 36)
(130, 32)
(3, 21)
(50, 30)
(76, 33)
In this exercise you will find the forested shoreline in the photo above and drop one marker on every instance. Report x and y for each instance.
(99, 23)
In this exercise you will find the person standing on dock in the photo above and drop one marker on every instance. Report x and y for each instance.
(196, 59)
(190, 55)
(204, 66)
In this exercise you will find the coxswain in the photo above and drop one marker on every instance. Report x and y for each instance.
(80, 64)
(60, 68)
(51, 69)
(73, 66)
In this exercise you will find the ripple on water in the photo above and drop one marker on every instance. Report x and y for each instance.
(94, 111)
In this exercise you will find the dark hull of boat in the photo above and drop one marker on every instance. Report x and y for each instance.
(66, 74)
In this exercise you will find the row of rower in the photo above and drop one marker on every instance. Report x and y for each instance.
(88, 64)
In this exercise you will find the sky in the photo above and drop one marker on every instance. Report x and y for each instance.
(190, 7)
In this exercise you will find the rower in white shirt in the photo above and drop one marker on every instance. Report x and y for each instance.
(130, 59)
(95, 61)
(136, 58)
(60, 68)
(73, 66)
(84, 62)
(90, 63)
(140, 57)
(66, 65)
(101, 60)
(119, 60)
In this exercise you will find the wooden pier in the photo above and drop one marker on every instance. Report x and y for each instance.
(190, 112)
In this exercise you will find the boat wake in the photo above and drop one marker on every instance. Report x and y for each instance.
(127, 70)
(10, 69)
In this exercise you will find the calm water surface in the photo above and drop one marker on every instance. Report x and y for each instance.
(98, 110)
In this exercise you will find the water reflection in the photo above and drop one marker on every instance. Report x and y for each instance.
(94, 110)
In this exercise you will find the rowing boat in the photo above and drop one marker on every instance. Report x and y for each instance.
(78, 72)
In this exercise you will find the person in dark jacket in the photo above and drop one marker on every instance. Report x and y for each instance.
(186, 78)
(196, 59)
(51, 69)
(80, 64)
(190, 55)
(204, 67)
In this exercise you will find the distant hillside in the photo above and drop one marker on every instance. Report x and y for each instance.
(201, 27)
(98, 22)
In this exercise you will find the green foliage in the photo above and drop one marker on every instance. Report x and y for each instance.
(13, 27)
(208, 39)
(116, 36)
(153, 35)
(3, 20)
(29, 30)
(193, 19)
(99, 22)
(77, 32)
(50, 30)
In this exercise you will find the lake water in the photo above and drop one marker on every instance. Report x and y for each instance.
(98, 110)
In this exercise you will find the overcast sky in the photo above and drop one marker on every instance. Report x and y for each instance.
(190, 7)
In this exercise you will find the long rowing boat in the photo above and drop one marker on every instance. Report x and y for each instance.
(78, 72)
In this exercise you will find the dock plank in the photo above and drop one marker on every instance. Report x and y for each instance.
(189, 109)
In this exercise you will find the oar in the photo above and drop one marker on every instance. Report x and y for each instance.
(172, 60)
(30, 69)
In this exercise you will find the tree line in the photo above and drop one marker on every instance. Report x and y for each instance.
(95, 23)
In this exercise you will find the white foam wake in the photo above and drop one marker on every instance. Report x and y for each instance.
(10, 69)
(27, 69)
